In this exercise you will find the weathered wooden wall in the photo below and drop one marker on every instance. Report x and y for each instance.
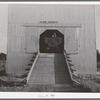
(76, 22)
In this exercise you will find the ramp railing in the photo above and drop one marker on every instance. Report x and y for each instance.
(29, 74)
(71, 68)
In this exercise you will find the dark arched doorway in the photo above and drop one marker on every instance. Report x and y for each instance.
(51, 41)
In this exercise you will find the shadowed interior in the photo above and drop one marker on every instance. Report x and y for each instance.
(51, 41)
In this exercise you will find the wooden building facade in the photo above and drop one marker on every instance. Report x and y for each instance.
(27, 22)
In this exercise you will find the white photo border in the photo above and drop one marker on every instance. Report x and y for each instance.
(43, 95)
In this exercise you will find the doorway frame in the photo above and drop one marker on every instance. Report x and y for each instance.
(62, 35)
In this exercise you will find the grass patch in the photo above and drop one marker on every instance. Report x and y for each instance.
(89, 81)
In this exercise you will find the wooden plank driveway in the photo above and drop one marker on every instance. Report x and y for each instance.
(50, 69)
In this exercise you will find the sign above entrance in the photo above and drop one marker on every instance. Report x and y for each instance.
(48, 22)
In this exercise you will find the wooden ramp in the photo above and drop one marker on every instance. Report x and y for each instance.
(50, 69)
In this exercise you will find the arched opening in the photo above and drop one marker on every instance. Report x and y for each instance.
(51, 41)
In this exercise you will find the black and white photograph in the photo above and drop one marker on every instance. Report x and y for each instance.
(50, 48)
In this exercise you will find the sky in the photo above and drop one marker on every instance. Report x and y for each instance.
(4, 22)
(3, 27)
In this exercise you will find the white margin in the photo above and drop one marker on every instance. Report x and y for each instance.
(43, 95)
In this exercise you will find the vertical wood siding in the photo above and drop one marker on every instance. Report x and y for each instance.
(24, 40)
(70, 40)
(32, 39)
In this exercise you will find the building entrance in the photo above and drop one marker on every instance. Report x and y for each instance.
(51, 41)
